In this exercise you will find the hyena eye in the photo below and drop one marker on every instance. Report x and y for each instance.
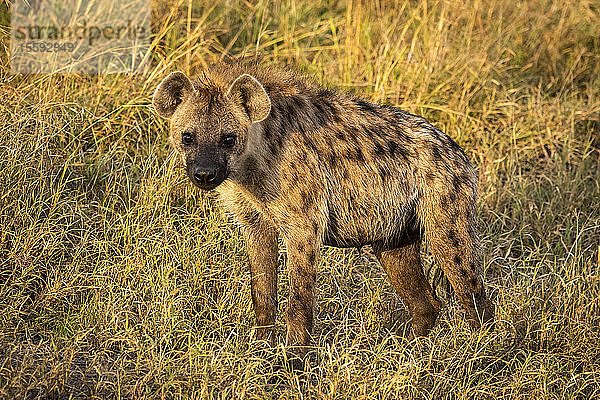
(187, 138)
(228, 141)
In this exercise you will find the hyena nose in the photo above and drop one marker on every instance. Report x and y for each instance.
(205, 175)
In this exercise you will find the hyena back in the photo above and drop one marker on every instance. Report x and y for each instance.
(316, 167)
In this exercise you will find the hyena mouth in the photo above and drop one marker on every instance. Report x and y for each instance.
(206, 187)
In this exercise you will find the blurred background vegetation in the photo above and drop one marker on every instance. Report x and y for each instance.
(119, 279)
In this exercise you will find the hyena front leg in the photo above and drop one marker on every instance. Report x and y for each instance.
(450, 229)
(303, 249)
(261, 243)
(403, 266)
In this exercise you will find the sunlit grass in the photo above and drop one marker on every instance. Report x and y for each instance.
(120, 279)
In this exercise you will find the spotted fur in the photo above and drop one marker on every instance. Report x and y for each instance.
(318, 167)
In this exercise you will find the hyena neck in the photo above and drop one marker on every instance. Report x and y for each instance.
(256, 168)
(298, 114)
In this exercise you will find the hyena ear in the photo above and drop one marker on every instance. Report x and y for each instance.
(247, 92)
(170, 93)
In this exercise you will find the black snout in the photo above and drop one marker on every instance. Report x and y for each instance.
(205, 175)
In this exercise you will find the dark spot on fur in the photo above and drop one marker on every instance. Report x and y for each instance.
(383, 173)
(320, 116)
(267, 132)
(359, 155)
(331, 146)
(298, 102)
(366, 106)
(457, 182)
(251, 218)
(274, 114)
(324, 109)
(379, 150)
(305, 201)
(344, 174)
(251, 164)
(452, 235)
(444, 201)
(312, 145)
(277, 144)
(435, 153)
(289, 112)
(353, 137)
(453, 238)
(430, 177)
(311, 258)
(332, 159)
(452, 196)
(453, 219)
(457, 260)
(325, 101)
(402, 151)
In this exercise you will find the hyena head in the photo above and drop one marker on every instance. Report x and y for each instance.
(209, 126)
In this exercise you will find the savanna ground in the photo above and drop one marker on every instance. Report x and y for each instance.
(119, 279)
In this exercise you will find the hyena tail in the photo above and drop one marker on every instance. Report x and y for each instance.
(449, 219)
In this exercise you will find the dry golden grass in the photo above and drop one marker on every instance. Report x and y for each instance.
(118, 279)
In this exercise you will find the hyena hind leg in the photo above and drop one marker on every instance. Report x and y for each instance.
(403, 267)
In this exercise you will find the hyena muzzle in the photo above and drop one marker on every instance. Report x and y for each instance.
(316, 167)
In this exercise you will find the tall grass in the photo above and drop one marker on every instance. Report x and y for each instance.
(118, 279)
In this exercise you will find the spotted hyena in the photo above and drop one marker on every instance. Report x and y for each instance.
(317, 168)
